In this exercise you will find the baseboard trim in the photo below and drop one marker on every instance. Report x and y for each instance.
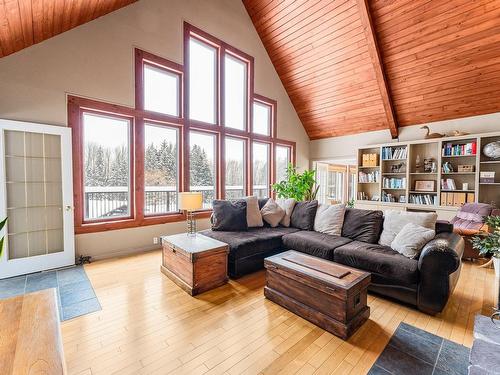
(122, 253)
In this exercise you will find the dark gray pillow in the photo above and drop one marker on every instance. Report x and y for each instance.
(363, 225)
(229, 216)
(303, 215)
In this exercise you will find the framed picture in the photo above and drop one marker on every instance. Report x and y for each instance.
(425, 185)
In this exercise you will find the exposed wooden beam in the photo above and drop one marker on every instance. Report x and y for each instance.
(373, 49)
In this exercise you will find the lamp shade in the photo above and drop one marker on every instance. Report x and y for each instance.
(190, 201)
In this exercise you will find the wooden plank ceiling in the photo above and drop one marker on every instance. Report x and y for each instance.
(27, 22)
(437, 60)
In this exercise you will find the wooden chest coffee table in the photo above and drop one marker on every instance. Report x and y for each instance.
(195, 263)
(328, 294)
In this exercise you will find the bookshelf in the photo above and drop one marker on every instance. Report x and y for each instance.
(429, 175)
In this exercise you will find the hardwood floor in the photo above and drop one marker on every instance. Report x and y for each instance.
(148, 325)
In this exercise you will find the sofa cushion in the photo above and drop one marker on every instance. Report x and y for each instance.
(314, 243)
(394, 221)
(251, 242)
(286, 204)
(272, 213)
(329, 219)
(254, 217)
(362, 225)
(303, 215)
(411, 239)
(229, 216)
(378, 259)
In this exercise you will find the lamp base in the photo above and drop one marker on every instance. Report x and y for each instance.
(191, 224)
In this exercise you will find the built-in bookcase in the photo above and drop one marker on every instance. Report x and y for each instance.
(430, 174)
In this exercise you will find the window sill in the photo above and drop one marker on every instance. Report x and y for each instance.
(136, 223)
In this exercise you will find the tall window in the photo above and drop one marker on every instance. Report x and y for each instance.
(161, 179)
(261, 118)
(235, 93)
(202, 165)
(195, 127)
(106, 181)
(161, 90)
(260, 153)
(202, 81)
(235, 168)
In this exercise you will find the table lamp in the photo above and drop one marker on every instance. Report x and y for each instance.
(190, 202)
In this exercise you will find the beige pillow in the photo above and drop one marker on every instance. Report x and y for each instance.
(254, 218)
(394, 221)
(411, 239)
(287, 205)
(329, 219)
(272, 213)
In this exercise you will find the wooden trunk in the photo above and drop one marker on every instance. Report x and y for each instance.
(328, 294)
(195, 272)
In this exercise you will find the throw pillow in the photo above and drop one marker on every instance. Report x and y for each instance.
(229, 216)
(394, 221)
(272, 213)
(362, 225)
(287, 205)
(411, 239)
(254, 217)
(329, 219)
(303, 215)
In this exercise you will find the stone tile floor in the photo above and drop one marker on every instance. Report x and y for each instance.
(412, 351)
(74, 291)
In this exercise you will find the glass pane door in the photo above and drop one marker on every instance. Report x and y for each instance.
(34, 193)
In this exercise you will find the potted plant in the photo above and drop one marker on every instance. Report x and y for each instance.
(2, 224)
(488, 243)
(299, 186)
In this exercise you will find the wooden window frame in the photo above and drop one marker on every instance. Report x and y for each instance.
(141, 116)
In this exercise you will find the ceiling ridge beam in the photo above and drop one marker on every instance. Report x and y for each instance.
(373, 48)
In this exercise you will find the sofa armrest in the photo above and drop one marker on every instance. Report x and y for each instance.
(439, 268)
(443, 226)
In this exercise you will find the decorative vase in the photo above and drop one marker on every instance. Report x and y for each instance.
(496, 265)
(492, 150)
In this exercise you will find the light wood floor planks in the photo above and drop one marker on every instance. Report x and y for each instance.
(150, 326)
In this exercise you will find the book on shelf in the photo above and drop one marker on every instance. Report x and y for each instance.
(364, 177)
(460, 149)
(390, 153)
(394, 183)
(448, 184)
(388, 197)
(456, 199)
(423, 199)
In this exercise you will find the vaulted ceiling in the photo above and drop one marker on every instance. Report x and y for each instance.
(351, 66)
(27, 22)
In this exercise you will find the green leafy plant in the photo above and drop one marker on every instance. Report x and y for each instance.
(488, 243)
(2, 238)
(350, 203)
(299, 186)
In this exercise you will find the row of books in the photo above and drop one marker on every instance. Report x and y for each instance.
(394, 153)
(456, 199)
(394, 183)
(450, 149)
(424, 199)
(388, 197)
(369, 177)
(448, 184)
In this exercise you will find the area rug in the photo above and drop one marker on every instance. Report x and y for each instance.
(412, 351)
(74, 291)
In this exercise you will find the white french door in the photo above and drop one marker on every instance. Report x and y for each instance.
(36, 194)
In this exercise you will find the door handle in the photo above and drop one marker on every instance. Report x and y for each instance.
(68, 208)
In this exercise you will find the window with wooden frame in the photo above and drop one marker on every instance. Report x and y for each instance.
(197, 126)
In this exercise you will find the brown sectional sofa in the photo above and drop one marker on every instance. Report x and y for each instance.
(426, 282)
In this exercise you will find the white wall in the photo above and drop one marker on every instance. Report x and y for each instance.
(96, 60)
(346, 147)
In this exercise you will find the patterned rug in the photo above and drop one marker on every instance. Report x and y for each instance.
(74, 291)
(412, 351)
